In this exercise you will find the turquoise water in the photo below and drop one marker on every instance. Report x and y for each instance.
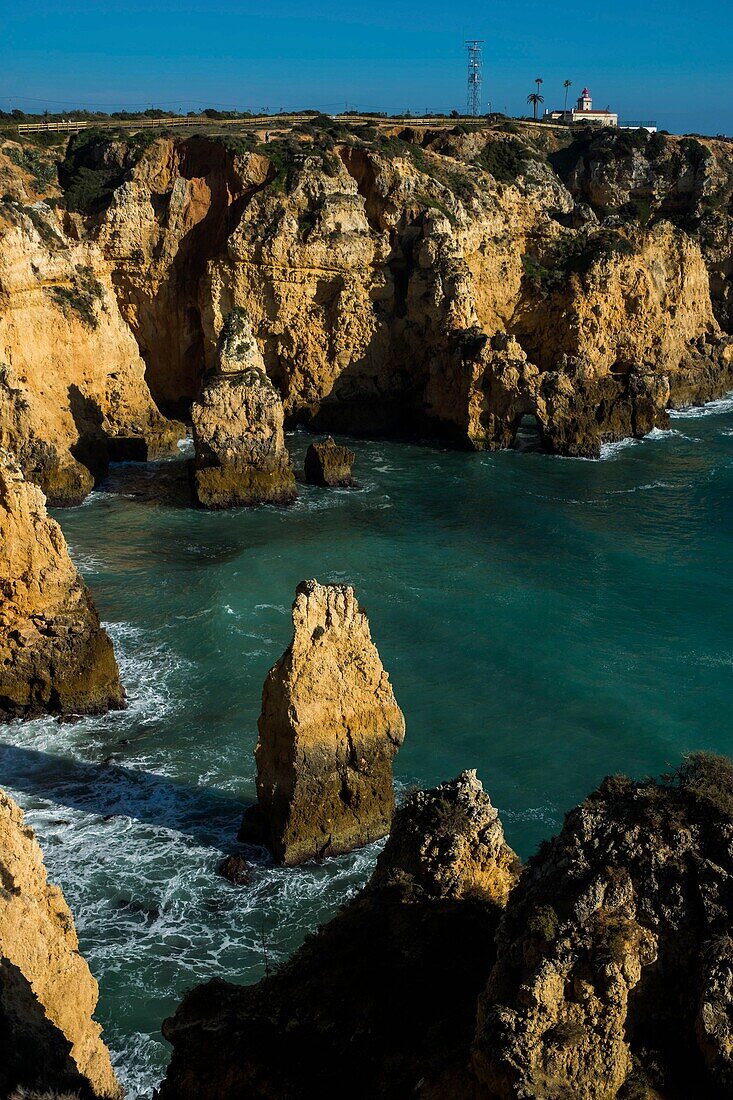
(546, 621)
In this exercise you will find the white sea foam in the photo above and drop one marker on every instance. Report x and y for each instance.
(610, 450)
(711, 408)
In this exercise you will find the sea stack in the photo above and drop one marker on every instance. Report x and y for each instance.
(328, 733)
(55, 658)
(328, 464)
(50, 1040)
(238, 432)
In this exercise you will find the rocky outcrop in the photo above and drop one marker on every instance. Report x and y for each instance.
(73, 395)
(238, 435)
(328, 733)
(449, 842)
(609, 976)
(328, 464)
(613, 968)
(381, 1001)
(50, 1040)
(54, 655)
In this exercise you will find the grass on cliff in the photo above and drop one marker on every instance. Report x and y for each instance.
(83, 298)
(575, 255)
(34, 161)
(504, 160)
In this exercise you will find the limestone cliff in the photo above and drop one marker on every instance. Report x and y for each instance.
(381, 1001)
(367, 260)
(370, 261)
(54, 656)
(613, 956)
(238, 434)
(48, 1035)
(328, 732)
(72, 388)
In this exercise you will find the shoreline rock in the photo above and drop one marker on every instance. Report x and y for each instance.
(328, 732)
(55, 657)
(50, 1040)
(380, 1002)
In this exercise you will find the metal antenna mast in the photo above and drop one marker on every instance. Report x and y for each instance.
(475, 47)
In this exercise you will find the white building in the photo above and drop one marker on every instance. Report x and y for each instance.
(584, 112)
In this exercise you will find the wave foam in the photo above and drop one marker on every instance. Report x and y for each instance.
(710, 408)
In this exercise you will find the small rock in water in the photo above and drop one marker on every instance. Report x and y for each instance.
(326, 463)
(237, 869)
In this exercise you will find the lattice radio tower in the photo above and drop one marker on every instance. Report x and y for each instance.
(475, 47)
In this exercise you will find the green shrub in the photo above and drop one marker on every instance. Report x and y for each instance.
(707, 778)
(544, 923)
(30, 160)
(505, 160)
(82, 298)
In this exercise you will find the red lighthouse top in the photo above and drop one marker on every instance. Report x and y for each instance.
(585, 92)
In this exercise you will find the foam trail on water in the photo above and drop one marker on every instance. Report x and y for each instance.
(711, 408)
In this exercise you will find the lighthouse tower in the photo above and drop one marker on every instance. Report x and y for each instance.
(585, 103)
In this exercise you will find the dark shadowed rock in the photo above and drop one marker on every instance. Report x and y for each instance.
(614, 963)
(381, 1001)
(237, 869)
(450, 843)
(328, 464)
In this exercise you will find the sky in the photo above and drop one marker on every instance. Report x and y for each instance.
(666, 60)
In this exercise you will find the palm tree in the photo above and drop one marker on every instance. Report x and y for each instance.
(567, 84)
(538, 80)
(535, 99)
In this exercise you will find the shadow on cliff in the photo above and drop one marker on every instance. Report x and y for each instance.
(208, 816)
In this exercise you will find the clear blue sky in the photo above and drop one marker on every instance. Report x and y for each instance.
(666, 59)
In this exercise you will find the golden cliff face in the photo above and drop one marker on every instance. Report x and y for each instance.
(47, 992)
(367, 262)
(72, 388)
(363, 264)
(54, 655)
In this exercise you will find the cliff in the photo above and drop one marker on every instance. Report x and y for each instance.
(54, 656)
(614, 949)
(50, 1040)
(374, 264)
(370, 261)
(72, 384)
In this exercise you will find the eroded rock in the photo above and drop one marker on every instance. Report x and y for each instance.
(328, 733)
(54, 655)
(50, 1040)
(73, 395)
(450, 843)
(613, 966)
(328, 464)
(381, 1001)
(241, 458)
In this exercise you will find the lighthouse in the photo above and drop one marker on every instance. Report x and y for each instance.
(585, 112)
(585, 103)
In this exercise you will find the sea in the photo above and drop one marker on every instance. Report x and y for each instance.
(547, 621)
